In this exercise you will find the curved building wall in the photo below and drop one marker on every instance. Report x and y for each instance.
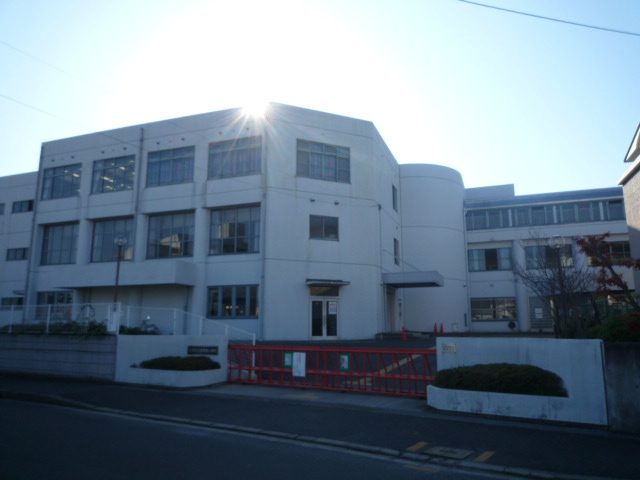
(433, 238)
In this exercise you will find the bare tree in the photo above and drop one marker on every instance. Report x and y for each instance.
(549, 273)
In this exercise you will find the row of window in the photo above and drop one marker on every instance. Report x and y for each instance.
(232, 230)
(536, 257)
(228, 301)
(576, 212)
(229, 158)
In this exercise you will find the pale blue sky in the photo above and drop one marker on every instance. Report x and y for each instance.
(500, 97)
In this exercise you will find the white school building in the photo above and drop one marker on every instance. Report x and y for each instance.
(296, 225)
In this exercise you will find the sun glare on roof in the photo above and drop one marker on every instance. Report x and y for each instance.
(256, 109)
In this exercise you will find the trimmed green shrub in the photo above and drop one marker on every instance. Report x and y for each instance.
(502, 378)
(181, 363)
(621, 328)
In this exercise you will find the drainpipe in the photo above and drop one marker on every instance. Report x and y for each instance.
(32, 242)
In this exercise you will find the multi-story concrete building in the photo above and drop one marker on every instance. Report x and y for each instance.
(295, 225)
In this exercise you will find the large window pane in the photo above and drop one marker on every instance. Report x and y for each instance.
(170, 235)
(59, 244)
(167, 167)
(324, 228)
(235, 230)
(323, 161)
(235, 301)
(61, 182)
(113, 174)
(105, 232)
(233, 158)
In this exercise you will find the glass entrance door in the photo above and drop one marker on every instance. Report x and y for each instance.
(324, 317)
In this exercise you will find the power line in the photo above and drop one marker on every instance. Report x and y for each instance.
(595, 27)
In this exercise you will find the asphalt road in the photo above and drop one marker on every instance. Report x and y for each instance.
(401, 427)
(51, 442)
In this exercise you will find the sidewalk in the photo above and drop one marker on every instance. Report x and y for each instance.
(403, 428)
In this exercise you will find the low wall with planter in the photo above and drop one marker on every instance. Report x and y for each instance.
(72, 356)
(578, 362)
(134, 349)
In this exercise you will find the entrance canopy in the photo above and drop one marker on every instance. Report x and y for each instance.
(413, 279)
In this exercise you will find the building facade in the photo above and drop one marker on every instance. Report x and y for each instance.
(296, 225)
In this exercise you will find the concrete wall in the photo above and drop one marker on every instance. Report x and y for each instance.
(622, 373)
(58, 355)
(578, 362)
(434, 239)
(133, 349)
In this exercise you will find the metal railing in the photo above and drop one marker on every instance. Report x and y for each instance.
(403, 372)
(82, 318)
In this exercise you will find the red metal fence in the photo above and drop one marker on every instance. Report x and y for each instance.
(403, 372)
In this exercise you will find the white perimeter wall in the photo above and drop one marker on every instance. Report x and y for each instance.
(578, 362)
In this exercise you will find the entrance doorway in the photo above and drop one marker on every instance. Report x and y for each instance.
(324, 317)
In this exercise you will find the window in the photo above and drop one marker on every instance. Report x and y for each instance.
(170, 235)
(322, 161)
(394, 197)
(588, 212)
(489, 259)
(17, 254)
(104, 247)
(61, 182)
(234, 158)
(113, 174)
(235, 230)
(1, 208)
(543, 256)
(396, 251)
(22, 206)
(491, 309)
(59, 244)
(169, 167)
(614, 210)
(619, 251)
(238, 301)
(323, 228)
(12, 303)
(54, 305)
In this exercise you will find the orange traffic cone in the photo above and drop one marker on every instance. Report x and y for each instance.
(404, 333)
(442, 329)
(435, 328)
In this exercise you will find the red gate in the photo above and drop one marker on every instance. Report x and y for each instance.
(404, 372)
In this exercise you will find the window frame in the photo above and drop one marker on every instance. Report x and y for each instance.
(121, 171)
(313, 160)
(104, 241)
(321, 228)
(55, 237)
(17, 254)
(223, 230)
(218, 295)
(501, 309)
(234, 158)
(479, 262)
(156, 234)
(61, 182)
(536, 259)
(22, 206)
(172, 166)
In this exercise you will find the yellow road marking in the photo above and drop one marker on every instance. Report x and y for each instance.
(422, 469)
(417, 446)
(483, 457)
(393, 366)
